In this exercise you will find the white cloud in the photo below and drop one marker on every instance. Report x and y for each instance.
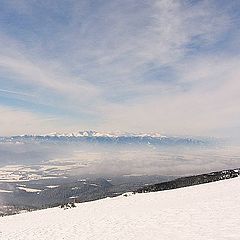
(100, 63)
(45, 74)
(208, 107)
(16, 121)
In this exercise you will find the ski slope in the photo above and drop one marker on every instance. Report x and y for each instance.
(207, 212)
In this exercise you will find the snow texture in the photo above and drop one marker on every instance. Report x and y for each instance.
(209, 211)
(29, 189)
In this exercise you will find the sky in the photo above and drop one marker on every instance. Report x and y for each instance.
(124, 65)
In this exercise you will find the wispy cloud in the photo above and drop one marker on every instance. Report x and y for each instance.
(15, 121)
(15, 93)
(167, 66)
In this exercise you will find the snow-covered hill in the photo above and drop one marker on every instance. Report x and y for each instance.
(208, 211)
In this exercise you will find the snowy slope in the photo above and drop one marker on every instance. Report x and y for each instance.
(209, 211)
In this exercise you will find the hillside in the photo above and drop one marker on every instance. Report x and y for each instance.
(191, 180)
(207, 211)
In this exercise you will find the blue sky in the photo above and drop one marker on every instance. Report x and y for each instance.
(138, 66)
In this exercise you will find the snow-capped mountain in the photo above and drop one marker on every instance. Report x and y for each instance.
(91, 133)
(207, 211)
(100, 137)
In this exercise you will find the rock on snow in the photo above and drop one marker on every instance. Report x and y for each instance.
(209, 211)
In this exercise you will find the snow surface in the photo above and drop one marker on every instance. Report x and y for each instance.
(53, 186)
(207, 212)
(29, 189)
(5, 191)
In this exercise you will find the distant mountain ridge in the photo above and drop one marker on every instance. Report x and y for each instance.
(98, 137)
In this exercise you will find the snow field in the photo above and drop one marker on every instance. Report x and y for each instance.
(204, 212)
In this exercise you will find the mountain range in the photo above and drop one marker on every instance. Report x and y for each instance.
(117, 138)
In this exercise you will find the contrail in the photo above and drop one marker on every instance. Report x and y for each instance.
(16, 93)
